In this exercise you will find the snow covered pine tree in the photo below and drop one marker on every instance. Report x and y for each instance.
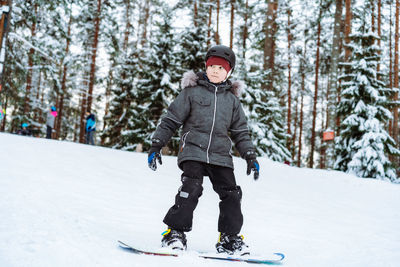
(363, 144)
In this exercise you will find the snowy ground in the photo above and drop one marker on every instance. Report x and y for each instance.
(64, 204)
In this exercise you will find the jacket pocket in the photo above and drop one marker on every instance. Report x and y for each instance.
(197, 139)
(221, 145)
(202, 101)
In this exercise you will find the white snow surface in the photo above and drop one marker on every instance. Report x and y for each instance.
(67, 204)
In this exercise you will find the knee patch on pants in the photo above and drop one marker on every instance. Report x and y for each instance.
(180, 215)
(191, 188)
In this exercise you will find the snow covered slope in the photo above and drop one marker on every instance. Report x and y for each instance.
(66, 204)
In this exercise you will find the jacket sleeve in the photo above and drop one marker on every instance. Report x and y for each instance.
(240, 132)
(176, 115)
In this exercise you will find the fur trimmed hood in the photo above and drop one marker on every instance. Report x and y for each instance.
(190, 79)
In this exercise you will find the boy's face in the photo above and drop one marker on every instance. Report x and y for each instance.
(216, 73)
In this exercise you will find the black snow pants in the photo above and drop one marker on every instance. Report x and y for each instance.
(180, 215)
(49, 130)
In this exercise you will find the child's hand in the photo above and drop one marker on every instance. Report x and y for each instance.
(252, 164)
(153, 157)
(154, 154)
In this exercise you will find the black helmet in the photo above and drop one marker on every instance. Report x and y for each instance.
(224, 52)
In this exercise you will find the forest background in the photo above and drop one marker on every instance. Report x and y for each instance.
(321, 76)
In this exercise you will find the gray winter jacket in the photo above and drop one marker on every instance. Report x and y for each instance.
(212, 117)
(50, 120)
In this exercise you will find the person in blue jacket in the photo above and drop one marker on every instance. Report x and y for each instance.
(90, 128)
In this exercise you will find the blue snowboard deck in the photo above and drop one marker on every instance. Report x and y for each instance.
(275, 259)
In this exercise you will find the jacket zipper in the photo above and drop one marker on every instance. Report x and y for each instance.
(212, 127)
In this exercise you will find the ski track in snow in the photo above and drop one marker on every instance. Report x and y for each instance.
(67, 204)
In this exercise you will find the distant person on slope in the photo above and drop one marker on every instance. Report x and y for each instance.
(51, 117)
(90, 128)
(24, 130)
(2, 113)
(210, 112)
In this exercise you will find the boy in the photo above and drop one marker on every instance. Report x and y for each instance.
(209, 109)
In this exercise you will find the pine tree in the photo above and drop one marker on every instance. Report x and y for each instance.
(193, 40)
(123, 94)
(122, 73)
(265, 119)
(89, 28)
(364, 144)
(35, 52)
(156, 85)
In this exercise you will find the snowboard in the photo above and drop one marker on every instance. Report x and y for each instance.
(275, 259)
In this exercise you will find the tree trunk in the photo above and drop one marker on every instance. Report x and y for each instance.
(145, 22)
(325, 116)
(303, 89)
(303, 77)
(232, 22)
(396, 75)
(94, 56)
(378, 67)
(391, 66)
(30, 66)
(107, 106)
(311, 163)
(42, 120)
(372, 15)
(127, 24)
(269, 44)
(217, 39)
(82, 117)
(195, 13)
(295, 124)
(4, 23)
(63, 83)
(77, 122)
(347, 30)
(245, 29)
(289, 104)
(37, 110)
(333, 87)
(209, 25)
(139, 22)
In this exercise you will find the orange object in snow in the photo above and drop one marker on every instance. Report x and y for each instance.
(328, 136)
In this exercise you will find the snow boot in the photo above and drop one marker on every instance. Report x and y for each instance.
(174, 239)
(232, 245)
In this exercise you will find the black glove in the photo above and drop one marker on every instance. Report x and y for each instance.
(154, 155)
(252, 164)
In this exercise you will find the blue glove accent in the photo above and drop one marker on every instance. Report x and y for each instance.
(257, 166)
(252, 165)
(151, 157)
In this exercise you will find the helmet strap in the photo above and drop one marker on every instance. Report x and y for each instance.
(228, 75)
